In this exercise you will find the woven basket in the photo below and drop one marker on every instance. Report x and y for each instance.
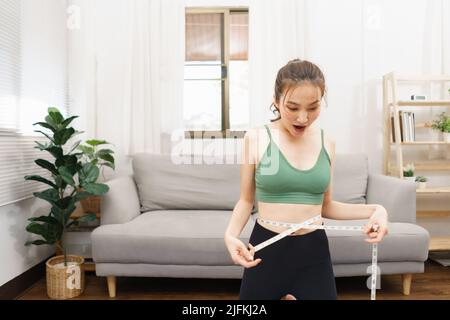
(91, 204)
(65, 282)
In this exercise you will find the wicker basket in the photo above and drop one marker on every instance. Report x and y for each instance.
(91, 204)
(65, 282)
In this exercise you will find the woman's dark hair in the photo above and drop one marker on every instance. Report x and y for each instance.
(293, 73)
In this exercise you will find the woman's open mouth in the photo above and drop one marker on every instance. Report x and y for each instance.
(299, 128)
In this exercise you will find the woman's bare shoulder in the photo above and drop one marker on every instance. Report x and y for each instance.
(328, 138)
(257, 139)
(329, 143)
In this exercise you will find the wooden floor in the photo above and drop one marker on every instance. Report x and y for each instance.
(433, 284)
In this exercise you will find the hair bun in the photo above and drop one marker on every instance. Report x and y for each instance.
(295, 60)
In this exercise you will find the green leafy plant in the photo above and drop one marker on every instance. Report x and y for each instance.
(421, 179)
(67, 172)
(442, 123)
(408, 170)
(96, 155)
(447, 126)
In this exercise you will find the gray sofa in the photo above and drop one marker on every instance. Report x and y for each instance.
(168, 220)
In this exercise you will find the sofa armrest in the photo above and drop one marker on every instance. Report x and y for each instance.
(121, 203)
(396, 195)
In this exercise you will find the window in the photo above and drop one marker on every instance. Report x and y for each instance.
(33, 61)
(216, 73)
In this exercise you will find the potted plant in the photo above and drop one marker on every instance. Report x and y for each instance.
(446, 131)
(443, 125)
(99, 157)
(65, 273)
(422, 180)
(408, 172)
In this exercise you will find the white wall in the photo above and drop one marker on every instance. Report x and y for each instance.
(96, 72)
(44, 48)
(355, 42)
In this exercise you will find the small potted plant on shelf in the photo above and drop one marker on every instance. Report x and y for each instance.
(95, 156)
(446, 131)
(442, 124)
(64, 273)
(422, 180)
(408, 172)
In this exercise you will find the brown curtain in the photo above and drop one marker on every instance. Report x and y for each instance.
(239, 36)
(203, 36)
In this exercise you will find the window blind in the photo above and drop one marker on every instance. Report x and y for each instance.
(10, 43)
(33, 77)
(17, 157)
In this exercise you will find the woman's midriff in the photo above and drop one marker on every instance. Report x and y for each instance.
(287, 212)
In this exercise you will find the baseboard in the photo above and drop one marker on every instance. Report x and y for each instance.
(13, 288)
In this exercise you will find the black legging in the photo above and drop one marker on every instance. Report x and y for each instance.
(299, 265)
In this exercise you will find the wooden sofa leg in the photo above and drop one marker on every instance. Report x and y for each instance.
(407, 278)
(111, 286)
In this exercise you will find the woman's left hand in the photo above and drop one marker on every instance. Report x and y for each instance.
(376, 228)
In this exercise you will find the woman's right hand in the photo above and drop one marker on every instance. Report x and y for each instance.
(239, 252)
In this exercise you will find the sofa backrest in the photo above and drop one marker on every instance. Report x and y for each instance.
(350, 178)
(164, 184)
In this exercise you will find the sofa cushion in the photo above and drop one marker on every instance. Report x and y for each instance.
(191, 237)
(350, 178)
(164, 184)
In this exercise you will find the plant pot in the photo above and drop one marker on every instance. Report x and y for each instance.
(413, 179)
(434, 151)
(65, 282)
(91, 204)
(446, 136)
(422, 185)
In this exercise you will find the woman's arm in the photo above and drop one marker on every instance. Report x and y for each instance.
(241, 212)
(376, 214)
(244, 206)
(346, 211)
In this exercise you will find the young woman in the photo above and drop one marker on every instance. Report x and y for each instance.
(291, 176)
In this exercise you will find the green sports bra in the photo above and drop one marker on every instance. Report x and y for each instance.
(278, 181)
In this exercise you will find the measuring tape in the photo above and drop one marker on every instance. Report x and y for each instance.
(308, 224)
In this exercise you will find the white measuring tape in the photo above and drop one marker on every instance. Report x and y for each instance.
(308, 224)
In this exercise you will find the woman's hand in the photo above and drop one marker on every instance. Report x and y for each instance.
(377, 228)
(239, 252)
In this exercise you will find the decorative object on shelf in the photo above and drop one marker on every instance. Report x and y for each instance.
(408, 172)
(447, 135)
(422, 181)
(418, 97)
(443, 125)
(98, 158)
(65, 274)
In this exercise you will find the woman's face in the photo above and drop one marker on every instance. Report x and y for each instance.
(300, 108)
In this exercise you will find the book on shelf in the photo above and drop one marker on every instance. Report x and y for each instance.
(407, 127)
